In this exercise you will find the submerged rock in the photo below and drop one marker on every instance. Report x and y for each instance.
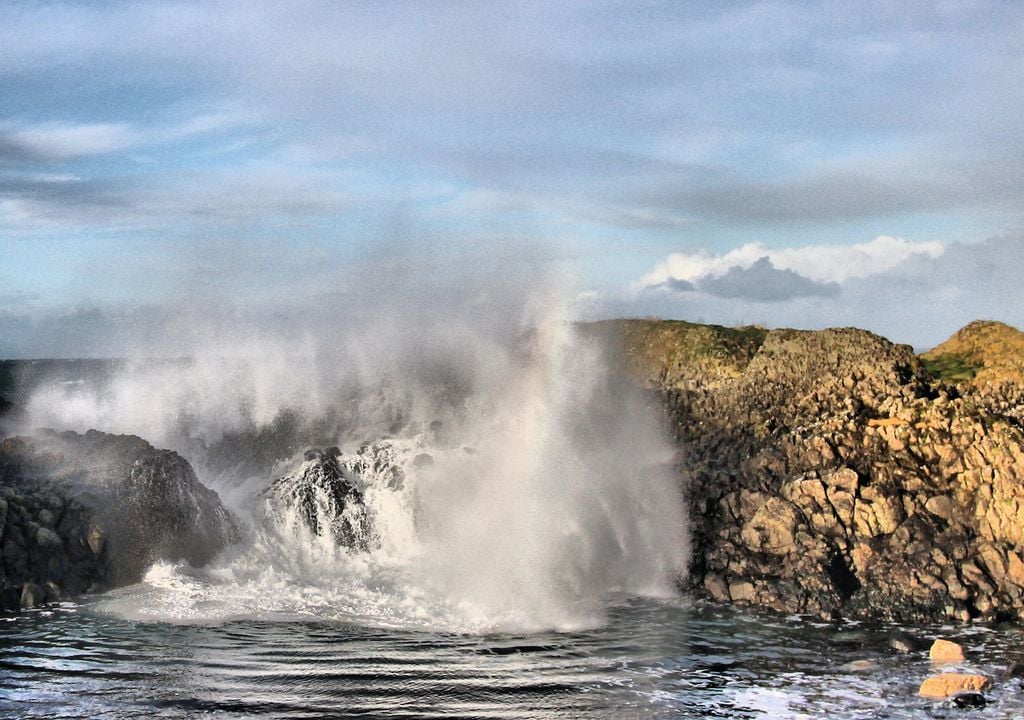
(81, 513)
(968, 700)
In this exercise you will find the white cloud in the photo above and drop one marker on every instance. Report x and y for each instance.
(821, 263)
(921, 300)
(54, 141)
(66, 140)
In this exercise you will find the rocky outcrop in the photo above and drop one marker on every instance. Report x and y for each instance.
(326, 495)
(87, 512)
(321, 500)
(985, 360)
(831, 473)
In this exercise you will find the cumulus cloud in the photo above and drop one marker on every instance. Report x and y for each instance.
(818, 263)
(765, 283)
(920, 299)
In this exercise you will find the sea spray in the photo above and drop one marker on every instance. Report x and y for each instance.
(535, 481)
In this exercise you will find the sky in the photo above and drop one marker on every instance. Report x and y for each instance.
(781, 163)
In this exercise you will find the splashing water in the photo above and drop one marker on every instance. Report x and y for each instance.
(535, 482)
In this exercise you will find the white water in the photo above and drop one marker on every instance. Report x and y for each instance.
(551, 486)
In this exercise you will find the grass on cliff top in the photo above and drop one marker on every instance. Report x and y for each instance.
(951, 367)
(669, 348)
(983, 351)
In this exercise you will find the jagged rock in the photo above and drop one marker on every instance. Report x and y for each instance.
(320, 499)
(326, 495)
(165, 513)
(831, 472)
(84, 512)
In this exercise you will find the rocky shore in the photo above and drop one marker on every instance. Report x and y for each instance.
(83, 513)
(827, 472)
(836, 473)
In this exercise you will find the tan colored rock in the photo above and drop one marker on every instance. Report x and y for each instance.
(1014, 568)
(880, 515)
(947, 684)
(716, 587)
(741, 591)
(945, 651)
(96, 540)
(862, 555)
(772, 528)
(940, 506)
(993, 561)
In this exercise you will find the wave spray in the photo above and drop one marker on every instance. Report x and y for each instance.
(510, 478)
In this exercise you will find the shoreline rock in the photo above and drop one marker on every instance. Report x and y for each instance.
(940, 687)
(84, 513)
(830, 473)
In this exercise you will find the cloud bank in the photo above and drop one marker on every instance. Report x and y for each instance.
(918, 293)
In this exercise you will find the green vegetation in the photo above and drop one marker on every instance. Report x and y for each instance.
(951, 367)
(981, 352)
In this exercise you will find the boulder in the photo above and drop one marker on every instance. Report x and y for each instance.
(949, 684)
(944, 651)
(81, 513)
(164, 512)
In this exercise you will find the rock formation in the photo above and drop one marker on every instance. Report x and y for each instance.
(321, 500)
(326, 495)
(86, 512)
(831, 473)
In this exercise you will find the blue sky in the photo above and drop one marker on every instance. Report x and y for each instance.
(784, 163)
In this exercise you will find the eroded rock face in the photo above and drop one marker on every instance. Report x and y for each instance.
(829, 473)
(86, 512)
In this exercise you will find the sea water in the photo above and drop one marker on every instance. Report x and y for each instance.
(670, 658)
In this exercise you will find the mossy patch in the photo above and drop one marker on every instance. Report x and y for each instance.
(669, 351)
(952, 367)
(981, 352)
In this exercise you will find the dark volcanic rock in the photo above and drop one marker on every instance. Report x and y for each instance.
(320, 499)
(84, 512)
(830, 473)
(165, 512)
(325, 496)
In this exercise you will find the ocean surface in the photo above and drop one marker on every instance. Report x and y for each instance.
(674, 658)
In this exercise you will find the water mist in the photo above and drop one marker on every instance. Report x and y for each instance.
(536, 481)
